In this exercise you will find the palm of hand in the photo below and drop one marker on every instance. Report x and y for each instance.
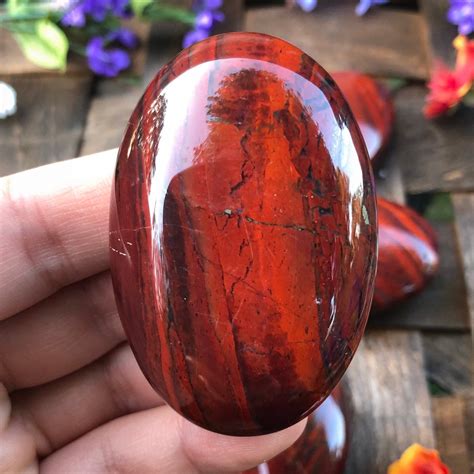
(72, 398)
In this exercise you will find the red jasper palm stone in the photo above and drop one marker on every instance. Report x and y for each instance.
(243, 234)
(372, 107)
(408, 254)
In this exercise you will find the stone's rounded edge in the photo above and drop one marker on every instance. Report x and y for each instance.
(197, 54)
(408, 255)
(171, 71)
(324, 444)
(371, 104)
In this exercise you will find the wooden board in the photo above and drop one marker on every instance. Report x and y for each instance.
(234, 16)
(451, 440)
(448, 361)
(464, 211)
(390, 400)
(469, 426)
(14, 62)
(114, 101)
(109, 111)
(442, 305)
(440, 32)
(49, 121)
(433, 155)
(388, 42)
(389, 182)
(52, 107)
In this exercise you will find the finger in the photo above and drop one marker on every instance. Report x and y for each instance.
(65, 409)
(61, 334)
(17, 449)
(160, 441)
(54, 228)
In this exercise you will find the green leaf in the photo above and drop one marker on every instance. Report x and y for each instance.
(45, 45)
(138, 6)
(156, 11)
(16, 6)
(469, 99)
(440, 208)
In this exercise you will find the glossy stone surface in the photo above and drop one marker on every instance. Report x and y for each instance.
(323, 446)
(408, 255)
(372, 107)
(243, 234)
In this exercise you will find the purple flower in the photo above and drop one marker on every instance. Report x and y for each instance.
(123, 36)
(97, 9)
(205, 20)
(121, 8)
(461, 13)
(207, 14)
(211, 4)
(106, 62)
(193, 36)
(364, 5)
(74, 17)
(307, 5)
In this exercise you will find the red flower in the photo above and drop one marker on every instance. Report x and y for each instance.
(418, 460)
(447, 88)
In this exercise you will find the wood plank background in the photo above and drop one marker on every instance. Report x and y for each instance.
(415, 361)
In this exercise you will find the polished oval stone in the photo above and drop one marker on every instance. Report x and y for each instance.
(372, 107)
(408, 255)
(323, 446)
(243, 234)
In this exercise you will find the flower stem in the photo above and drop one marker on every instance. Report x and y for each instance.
(158, 11)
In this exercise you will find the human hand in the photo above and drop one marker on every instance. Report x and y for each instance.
(72, 398)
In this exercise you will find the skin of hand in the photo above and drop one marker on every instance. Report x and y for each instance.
(72, 398)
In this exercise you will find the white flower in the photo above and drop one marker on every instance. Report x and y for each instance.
(7, 100)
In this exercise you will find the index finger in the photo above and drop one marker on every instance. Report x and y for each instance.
(55, 222)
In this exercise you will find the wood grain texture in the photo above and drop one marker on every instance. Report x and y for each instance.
(391, 404)
(386, 42)
(440, 32)
(234, 16)
(469, 426)
(433, 155)
(464, 212)
(442, 305)
(448, 361)
(49, 121)
(451, 439)
(389, 181)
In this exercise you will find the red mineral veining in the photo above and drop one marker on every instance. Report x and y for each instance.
(243, 234)
(372, 107)
(408, 255)
(323, 446)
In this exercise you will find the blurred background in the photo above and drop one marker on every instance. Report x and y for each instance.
(411, 379)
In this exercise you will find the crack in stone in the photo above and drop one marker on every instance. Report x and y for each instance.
(297, 227)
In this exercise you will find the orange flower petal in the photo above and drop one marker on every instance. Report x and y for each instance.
(465, 56)
(418, 460)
